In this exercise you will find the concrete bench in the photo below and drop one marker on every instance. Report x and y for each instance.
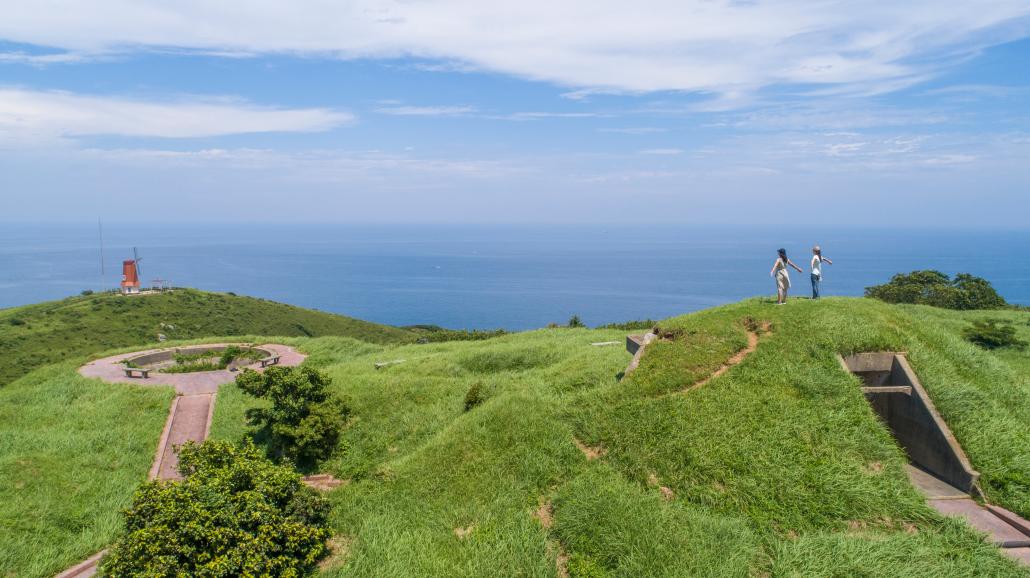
(274, 360)
(130, 371)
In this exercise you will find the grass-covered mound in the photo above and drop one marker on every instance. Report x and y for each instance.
(36, 335)
(777, 467)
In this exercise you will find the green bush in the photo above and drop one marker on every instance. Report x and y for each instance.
(437, 334)
(304, 420)
(937, 289)
(631, 325)
(86, 292)
(575, 321)
(234, 513)
(17, 322)
(991, 334)
(474, 396)
(229, 354)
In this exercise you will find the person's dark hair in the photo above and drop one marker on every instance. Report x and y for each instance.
(783, 253)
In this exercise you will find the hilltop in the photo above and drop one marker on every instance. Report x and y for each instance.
(36, 335)
(738, 447)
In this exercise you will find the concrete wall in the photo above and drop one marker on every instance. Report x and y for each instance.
(168, 354)
(898, 397)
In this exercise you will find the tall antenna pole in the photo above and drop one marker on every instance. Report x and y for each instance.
(100, 229)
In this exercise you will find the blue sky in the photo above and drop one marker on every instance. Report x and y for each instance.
(455, 111)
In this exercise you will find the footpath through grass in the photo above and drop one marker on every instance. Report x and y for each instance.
(36, 335)
(778, 467)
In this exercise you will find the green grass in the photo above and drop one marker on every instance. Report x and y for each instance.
(72, 450)
(36, 335)
(778, 467)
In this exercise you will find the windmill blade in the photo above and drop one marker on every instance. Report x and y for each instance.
(137, 259)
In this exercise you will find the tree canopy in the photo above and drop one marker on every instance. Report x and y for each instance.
(937, 289)
(234, 513)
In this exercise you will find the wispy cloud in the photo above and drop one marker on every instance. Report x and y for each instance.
(402, 110)
(589, 46)
(28, 116)
(538, 115)
(634, 130)
(21, 57)
(662, 152)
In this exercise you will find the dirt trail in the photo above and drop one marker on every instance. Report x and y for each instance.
(753, 337)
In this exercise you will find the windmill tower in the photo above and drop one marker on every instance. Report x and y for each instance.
(131, 273)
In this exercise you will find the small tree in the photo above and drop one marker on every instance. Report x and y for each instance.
(304, 420)
(935, 288)
(234, 513)
(575, 321)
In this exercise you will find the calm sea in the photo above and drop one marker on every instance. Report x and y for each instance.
(515, 277)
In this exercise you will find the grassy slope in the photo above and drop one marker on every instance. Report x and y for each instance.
(37, 335)
(71, 449)
(778, 467)
(71, 452)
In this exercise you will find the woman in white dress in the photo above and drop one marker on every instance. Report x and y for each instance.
(782, 276)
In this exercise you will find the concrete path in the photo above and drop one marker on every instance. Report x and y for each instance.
(189, 418)
(1007, 530)
(111, 370)
(190, 421)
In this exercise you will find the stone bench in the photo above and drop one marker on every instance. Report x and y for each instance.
(274, 360)
(143, 373)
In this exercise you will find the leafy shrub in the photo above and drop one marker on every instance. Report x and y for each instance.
(474, 396)
(990, 334)
(234, 513)
(631, 325)
(575, 321)
(437, 334)
(86, 292)
(937, 289)
(229, 354)
(304, 420)
(16, 321)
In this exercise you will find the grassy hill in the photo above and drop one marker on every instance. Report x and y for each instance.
(37, 335)
(777, 467)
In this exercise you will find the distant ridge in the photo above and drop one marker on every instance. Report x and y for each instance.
(32, 336)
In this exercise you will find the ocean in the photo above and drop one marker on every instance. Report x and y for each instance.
(488, 276)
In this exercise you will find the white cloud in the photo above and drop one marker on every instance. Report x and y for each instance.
(604, 45)
(28, 116)
(521, 116)
(426, 110)
(662, 152)
(21, 57)
(634, 130)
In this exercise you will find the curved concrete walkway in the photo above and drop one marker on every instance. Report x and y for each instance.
(110, 369)
(189, 418)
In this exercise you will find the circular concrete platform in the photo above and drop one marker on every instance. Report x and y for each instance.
(112, 370)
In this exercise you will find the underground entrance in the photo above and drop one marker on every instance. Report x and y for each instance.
(897, 396)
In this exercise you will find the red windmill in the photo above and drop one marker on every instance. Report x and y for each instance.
(131, 272)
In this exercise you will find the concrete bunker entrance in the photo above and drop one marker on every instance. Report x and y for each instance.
(897, 396)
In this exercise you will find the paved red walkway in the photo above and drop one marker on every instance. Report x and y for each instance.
(110, 369)
(190, 418)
